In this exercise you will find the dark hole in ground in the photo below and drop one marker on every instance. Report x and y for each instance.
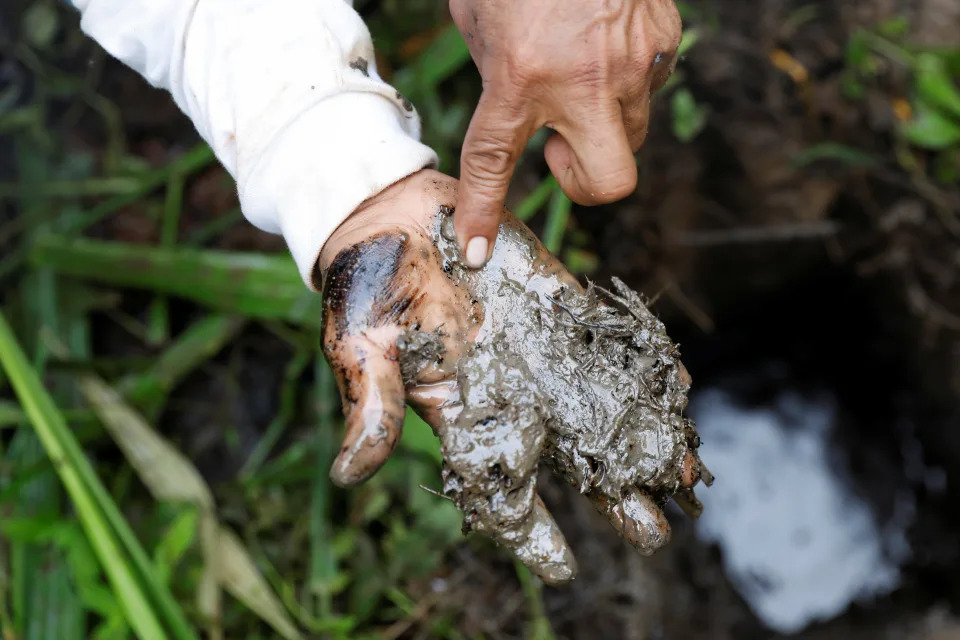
(833, 334)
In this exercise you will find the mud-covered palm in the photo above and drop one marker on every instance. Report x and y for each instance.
(512, 365)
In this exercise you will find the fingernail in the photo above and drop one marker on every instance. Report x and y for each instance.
(477, 252)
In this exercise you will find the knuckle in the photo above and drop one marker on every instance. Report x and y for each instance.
(478, 220)
(488, 162)
(527, 67)
(670, 44)
(676, 22)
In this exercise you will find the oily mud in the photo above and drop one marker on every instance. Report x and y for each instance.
(584, 379)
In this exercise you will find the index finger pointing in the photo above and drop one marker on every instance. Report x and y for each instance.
(496, 137)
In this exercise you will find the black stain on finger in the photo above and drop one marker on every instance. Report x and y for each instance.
(361, 284)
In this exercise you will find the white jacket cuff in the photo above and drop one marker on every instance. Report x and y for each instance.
(286, 93)
(317, 171)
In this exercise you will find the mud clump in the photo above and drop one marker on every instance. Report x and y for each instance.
(418, 350)
(584, 379)
(633, 432)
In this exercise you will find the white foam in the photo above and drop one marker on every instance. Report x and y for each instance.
(797, 543)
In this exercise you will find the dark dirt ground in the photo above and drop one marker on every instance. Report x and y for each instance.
(850, 275)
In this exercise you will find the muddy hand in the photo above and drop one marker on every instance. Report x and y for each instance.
(511, 364)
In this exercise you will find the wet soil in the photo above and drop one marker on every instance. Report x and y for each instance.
(584, 379)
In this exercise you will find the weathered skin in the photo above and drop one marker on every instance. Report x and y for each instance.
(512, 364)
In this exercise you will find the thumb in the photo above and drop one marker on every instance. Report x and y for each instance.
(496, 137)
(372, 390)
(361, 296)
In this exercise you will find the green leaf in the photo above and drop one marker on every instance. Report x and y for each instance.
(10, 414)
(195, 159)
(538, 627)
(89, 498)
(689, 118)
(580, 261)
(254, 284)
(324, 578)
(947, 167)
(193, 347)
(690, 38)
(950, 57)
(535, 200)
(171, 477)
(935, 86)
(859, 54)
(558, 217)
(833, 151)
(851, 86)
(40, 24)
(68, 536)
(894, 28)
(446, 54)
(417, 437)
(175, 543)
(931, 129)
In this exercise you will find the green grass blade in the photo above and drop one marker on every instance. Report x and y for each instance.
(10, 414)
(171, 477)
(536, 199)
(323, 562)
(288, 399)
(197, 344)
(191, 161)
(538, 627)
(6, 618)
(70, 188)
(158, 331)
(445, 55)
(417, 437)
(31, 491)
(78, 478)
(197, 158)
(214, 229)
(258, 285)
(47, 607)
(557, 218)
(842, 153)
(58, 612)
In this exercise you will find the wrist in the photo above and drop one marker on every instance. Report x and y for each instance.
(407, 204)
(320, 168)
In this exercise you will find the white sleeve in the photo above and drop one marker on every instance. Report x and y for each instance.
(286, 92)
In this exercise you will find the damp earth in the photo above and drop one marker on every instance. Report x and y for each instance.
(582, 379)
